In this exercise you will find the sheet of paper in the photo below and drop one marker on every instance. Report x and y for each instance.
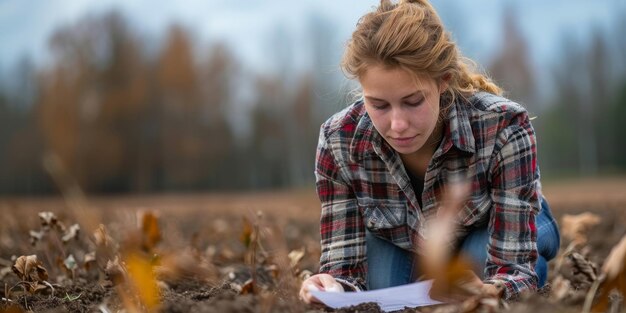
(390, 299)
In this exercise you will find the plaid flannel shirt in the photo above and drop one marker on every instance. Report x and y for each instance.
(362, 183)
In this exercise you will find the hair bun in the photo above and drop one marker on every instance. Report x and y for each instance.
(423, 2)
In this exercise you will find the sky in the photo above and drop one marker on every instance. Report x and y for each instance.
(265, 33)
(25, 25)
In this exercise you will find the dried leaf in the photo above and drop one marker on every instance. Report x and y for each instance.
(295, 256)
(245, 288)
(90, 258)
(101, 237)
(29, 269)
(470, 305)
(576, 227)
(48, 219)
(304, 275)
(115, 272)
(561, 288)
(149, 225)
(71, 233)
(142, 276)
(13, 308)
(70, 263)
(36, 236)
(272, 269)
(264, 278)
(614, 265)
(106, 248)
(614, 276)
(439, 231)
(246, 233)
(35, 287)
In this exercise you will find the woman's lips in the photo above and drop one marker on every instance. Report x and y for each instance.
(403, 141)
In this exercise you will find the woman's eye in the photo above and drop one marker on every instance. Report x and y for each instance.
(379, 106)
(416, 103)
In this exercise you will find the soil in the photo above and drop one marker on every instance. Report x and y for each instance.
(202, 257)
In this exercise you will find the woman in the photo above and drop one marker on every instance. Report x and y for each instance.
(382, 163)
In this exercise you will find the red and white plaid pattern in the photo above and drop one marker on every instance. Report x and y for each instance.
(361, 183)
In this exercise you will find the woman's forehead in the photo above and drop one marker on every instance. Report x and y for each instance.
(398, 82)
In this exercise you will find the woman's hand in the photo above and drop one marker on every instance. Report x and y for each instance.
(318, 282)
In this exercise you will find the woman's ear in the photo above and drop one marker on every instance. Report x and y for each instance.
(444, 83)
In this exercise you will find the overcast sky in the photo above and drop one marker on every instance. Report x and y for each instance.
(25, 25)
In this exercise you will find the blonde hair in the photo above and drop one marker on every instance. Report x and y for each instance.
(410, 35)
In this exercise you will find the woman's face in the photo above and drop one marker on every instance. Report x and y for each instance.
(403, 108)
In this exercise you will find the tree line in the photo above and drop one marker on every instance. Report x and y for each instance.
(120, 115)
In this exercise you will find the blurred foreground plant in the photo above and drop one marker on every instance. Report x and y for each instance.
(612, 280)
(452, 274)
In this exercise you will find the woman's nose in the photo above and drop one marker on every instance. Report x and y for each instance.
(399, 121)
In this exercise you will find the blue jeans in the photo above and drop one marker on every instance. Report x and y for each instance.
(389, 265)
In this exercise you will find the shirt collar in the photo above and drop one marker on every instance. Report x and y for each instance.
(365, 138)
(458, 129)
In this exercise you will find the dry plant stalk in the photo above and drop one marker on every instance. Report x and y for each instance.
(106, 248)
(583, 266)
(613, 278)
(250, 238)
(135, 276)
(186, 264)
(143, 281)
(72, 193)
(449, 272)
(285, 259)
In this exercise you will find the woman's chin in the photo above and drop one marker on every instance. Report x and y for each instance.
(406, 149)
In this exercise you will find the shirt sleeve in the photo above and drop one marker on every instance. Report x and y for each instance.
(512, 248)
(341, 227)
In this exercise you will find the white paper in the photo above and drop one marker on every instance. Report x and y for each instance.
(390, 299)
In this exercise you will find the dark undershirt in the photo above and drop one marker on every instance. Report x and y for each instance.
(418, 186)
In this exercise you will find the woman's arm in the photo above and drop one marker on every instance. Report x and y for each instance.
(342, 230)
(512, 247)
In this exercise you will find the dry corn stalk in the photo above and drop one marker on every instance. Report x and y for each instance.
(613, 278)
(450, 273)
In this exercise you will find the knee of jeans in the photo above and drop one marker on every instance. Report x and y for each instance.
(541, 268)
(474, 247)
(548, 242)
(548, 236)
(388, 265)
